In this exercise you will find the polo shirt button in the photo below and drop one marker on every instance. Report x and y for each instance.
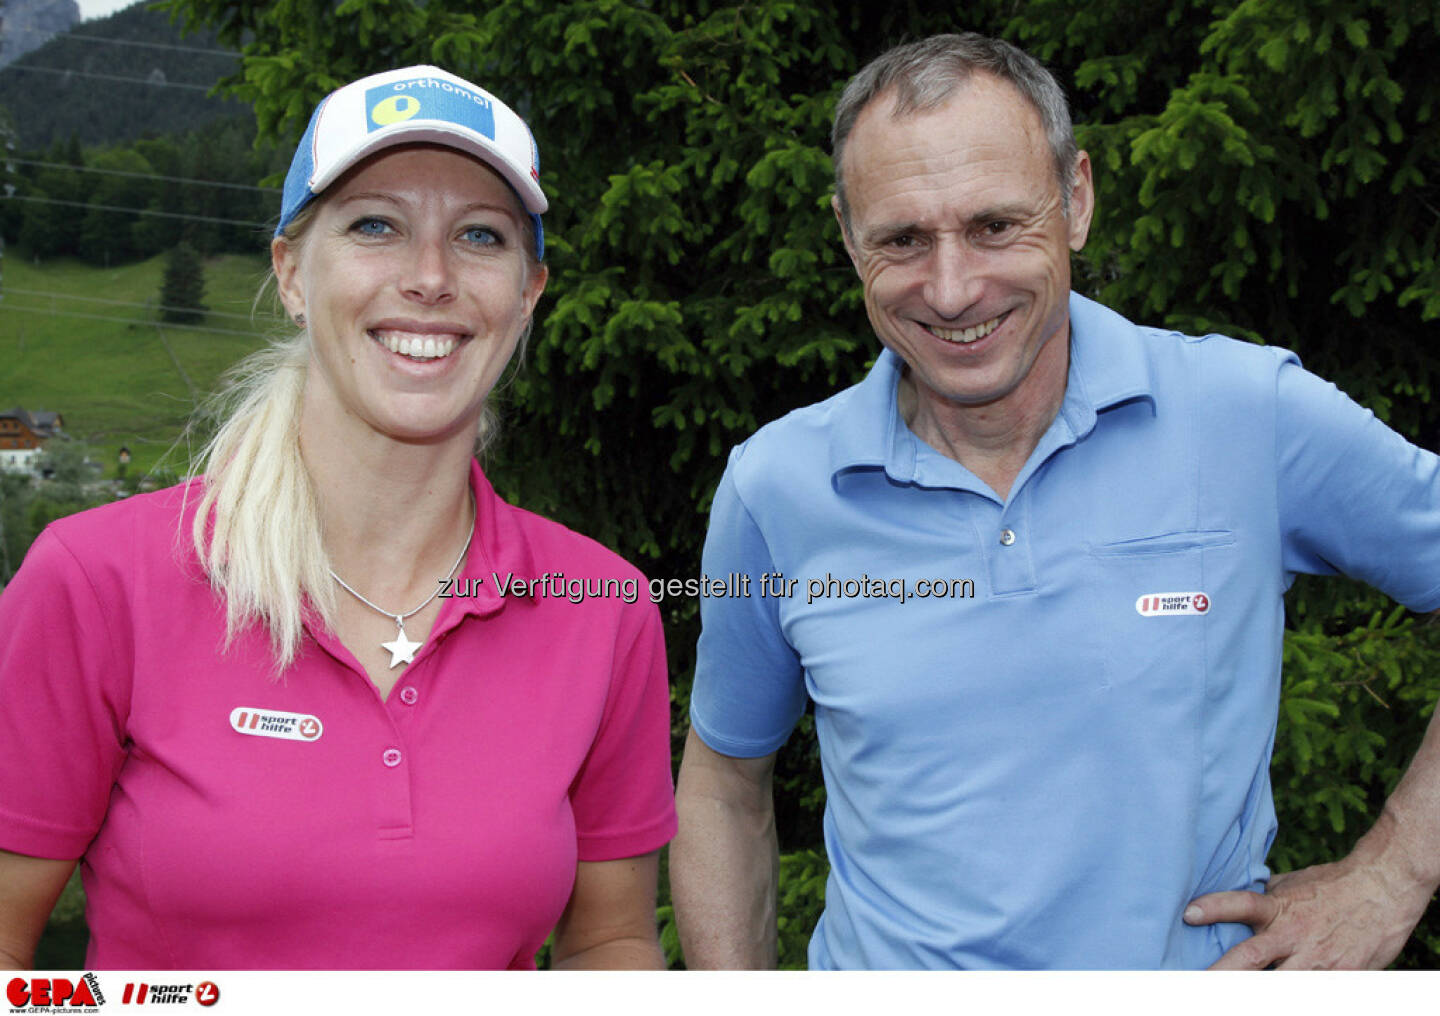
(1007, 537)
(409, 695)
(391, 757)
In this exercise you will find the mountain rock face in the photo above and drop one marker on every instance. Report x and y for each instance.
(29, 24)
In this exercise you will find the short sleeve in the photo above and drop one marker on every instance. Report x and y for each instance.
(623, 797)
(63, 699)
(1355, 497)
(749, 685)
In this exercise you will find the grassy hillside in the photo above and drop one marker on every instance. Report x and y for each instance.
(88, 343)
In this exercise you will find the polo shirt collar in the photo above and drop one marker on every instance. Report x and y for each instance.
(499, 550)
(1108, 366)
(867, 429)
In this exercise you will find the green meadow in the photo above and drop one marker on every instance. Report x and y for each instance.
(89, 343)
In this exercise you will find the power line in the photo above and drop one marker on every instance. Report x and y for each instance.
(141, 211)
(144, 176)
(127, 321)
(67, 36)
(129, 303)
(68, 72)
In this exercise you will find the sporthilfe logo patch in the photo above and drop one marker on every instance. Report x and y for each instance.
(270, 723)
(1167, 604)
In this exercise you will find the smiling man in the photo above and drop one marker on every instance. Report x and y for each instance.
(1070, 766)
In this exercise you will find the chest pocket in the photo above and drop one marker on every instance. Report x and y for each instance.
(1160, 597)
(1165, 543)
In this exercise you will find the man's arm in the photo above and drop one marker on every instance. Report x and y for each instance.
(724, 862)
(29, 887)
(1359, 911)
(1358, 499)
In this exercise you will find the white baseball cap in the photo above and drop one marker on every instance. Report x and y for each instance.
(405, 106)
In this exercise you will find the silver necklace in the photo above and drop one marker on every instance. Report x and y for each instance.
(402, 650)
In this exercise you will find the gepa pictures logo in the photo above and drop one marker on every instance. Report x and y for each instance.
(53, 993)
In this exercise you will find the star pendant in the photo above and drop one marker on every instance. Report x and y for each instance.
(402, 650)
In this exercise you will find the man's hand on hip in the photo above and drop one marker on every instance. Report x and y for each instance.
(1352, 914)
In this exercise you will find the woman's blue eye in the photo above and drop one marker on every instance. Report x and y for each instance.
(371, 226)
(483, 236)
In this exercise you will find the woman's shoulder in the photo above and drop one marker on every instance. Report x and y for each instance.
(106, 556)
(554, 547)
(128, 524)
(522, 541)
(109, 545)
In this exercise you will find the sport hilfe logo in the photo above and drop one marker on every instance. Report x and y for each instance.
(1172, 604)
(273, 723)
(205, 993)
(54, 993)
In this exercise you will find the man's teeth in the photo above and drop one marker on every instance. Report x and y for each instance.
(418, 347)
(967, 335)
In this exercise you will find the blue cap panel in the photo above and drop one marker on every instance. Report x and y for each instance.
(296, 194)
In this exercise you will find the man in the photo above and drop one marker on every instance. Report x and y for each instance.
(1064, 763)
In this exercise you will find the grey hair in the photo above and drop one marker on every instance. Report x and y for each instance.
(923, 75)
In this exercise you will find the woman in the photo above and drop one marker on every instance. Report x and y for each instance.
(349, 718)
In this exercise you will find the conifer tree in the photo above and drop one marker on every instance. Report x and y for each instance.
(182, 293)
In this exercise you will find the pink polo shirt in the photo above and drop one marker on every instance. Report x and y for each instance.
(227, 819)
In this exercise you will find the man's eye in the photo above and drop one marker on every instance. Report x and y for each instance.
(997, 227)
(903, 241)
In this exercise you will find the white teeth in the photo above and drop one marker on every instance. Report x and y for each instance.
(965, 336)
(417, 347)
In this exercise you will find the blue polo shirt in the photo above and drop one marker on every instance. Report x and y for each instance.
(1046, 721)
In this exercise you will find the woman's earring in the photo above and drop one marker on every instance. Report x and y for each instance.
(300, 320)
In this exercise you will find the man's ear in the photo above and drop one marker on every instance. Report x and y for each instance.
(285, 260)
(844, 232)
(1082, 202)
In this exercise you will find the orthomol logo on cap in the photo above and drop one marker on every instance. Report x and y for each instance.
(428, 99)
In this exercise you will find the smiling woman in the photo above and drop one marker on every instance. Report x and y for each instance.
(415, 284)
(284, 709)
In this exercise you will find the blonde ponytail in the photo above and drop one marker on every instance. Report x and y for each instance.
(257, 530)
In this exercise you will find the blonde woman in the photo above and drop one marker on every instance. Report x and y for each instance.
(349, 720)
